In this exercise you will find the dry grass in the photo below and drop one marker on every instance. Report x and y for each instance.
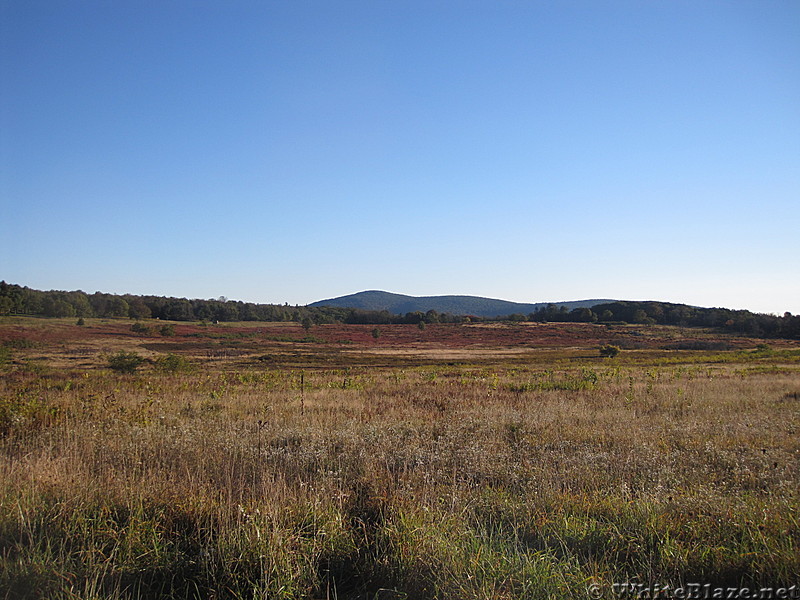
(488, 480)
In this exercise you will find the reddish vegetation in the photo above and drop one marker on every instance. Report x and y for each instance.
(46, 332)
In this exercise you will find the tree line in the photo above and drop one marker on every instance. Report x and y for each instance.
(19, 300)
(666, 313)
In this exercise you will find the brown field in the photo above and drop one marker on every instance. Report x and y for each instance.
(494, 461)
(61, 344)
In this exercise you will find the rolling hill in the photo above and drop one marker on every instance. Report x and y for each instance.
(457, 305)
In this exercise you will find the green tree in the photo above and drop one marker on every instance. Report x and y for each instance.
(6, 305)
(56, 307)
(80, 302)
(117, 307)
(584, 315)
(307, 323)
(29, 302)
(137, 309)
(179, 310)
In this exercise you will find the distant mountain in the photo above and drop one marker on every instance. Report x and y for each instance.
(400, 304)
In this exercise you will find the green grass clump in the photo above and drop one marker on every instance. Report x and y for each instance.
(173, 363)
(125, 362)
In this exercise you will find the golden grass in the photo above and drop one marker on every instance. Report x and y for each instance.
(487, 480)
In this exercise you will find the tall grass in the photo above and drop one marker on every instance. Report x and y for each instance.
(436, 482)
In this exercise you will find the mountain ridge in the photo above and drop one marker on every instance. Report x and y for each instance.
(478, 306)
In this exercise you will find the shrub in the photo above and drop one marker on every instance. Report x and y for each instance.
(19, 343)
(167, 330)
(140, 328)
(5, 355)
(609, 350)
(125, 362)
(80, 322)
(172, 363)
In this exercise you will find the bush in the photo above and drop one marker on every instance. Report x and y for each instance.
(609, 350)
(125, 362)
(140, 328)
(5, 355)
(167, 330)
(80, 322)
(172, 363)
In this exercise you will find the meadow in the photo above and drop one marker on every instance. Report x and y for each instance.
(473, 461)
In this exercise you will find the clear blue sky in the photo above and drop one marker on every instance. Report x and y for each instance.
(292, 151)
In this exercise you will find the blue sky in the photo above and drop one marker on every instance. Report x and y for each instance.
(292, 151)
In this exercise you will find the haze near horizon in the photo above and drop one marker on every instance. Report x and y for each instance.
(293, 152)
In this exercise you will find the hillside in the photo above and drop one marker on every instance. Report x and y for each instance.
(400, 304)
(376, 308)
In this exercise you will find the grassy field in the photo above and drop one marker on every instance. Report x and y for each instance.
(463, 461)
